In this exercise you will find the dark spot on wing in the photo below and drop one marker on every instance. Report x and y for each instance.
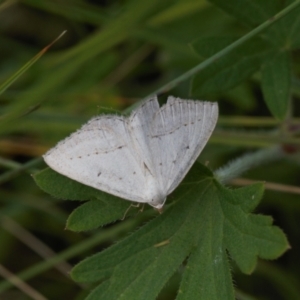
(187, 147)
(99, 174)
(146, 167)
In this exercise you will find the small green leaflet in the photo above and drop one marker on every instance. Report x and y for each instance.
(276, 84)
(101, 209)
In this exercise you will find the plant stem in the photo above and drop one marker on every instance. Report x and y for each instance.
(15, 172)
(248, 161)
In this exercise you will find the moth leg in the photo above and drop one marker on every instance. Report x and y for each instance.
(127, 210)
(142, 209)
(159, 210)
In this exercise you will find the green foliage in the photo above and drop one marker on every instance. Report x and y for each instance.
(230, 70)
(203, 222)
(252, 55)
(254, 12)
(90, 215)
(276, 83)
(241, 53)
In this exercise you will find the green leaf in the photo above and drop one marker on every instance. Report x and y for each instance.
(102, 209)
(246, 235)
(205, 222)
(292, 24)
(4, 86)
(250, 12)
(63, 187)
(276, 83)
(284, 32)
(95, 213)
(231, 69)
(208, 46)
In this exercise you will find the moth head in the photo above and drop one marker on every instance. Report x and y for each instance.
(158, 202)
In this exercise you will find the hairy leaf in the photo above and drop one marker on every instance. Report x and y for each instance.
(205, 221)
(231, 69)
(102, 208)
(276, 83)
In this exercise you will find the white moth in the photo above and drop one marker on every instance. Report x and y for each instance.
(141, 158)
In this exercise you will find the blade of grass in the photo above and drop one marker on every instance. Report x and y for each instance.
(13, 173)
(97, 238)
(22, 286)
(252, 139)
(64, 67)
(21, 71)
(7, 4)
(272, 186)
(113, 34)
(81, 12)
(244, 121)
